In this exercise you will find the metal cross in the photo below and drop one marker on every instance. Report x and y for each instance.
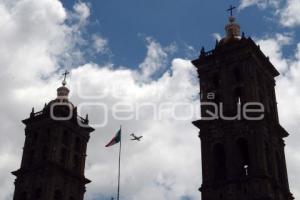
(65, 74)
(231, 10)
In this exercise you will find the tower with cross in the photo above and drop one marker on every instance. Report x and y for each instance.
(242, 155)
(54, 152)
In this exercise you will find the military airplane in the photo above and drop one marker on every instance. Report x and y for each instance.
(134, 137)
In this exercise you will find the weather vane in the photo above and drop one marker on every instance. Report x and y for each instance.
(231, 8)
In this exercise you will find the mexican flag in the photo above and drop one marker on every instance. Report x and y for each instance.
(115, 139)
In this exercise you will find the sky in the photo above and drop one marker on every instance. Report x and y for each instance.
(135, 53)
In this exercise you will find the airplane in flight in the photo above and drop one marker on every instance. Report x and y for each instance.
(134, 137)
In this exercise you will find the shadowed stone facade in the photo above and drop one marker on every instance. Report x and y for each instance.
(54, 153)
(241, 159)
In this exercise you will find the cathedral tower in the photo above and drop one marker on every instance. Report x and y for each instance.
(242, 153)
(54, 152)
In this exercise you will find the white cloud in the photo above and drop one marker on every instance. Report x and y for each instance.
(260, 3)
(286, 10)
(161, 166)
(288, 98)
(32, 48)
(100, 44)
(35, 40)
(156, 59)
(82, 12)
(290, 14)
(272, 47)
(217, 36)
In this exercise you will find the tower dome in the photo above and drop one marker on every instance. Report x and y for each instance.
(233, 29)
(63, 91)
(61, 106)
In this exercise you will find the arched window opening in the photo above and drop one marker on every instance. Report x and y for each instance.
(219, 156)
(77, 144)
(65, 139)
(238, 95)
(243, 156)
(246, 170)
(58, 195)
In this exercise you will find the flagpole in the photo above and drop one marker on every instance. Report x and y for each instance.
(119, 172)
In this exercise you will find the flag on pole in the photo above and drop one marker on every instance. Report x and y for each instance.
(115, 139)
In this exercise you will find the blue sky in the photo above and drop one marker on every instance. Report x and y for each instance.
(126, 24)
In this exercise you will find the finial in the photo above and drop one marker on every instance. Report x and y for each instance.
(202, 51)
(87, 118)
(63, 92)
(233, 28)
(231, 8)
(32, 112)
(64, 82)
(243, 34)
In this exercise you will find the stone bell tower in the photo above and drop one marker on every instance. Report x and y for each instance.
(54, 152)
(242, 154)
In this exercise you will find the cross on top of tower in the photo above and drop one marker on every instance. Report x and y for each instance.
(65, 76)
(231, 8)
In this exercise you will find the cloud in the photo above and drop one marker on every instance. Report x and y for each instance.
(100, 44)
(290, 14)
(33, 49)
(288, 98)
(260, 3)
(272, 47)
(156, 163)
(82, 12)
(35, 41)
(285, 10)
(217, 36)
(156, 59)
